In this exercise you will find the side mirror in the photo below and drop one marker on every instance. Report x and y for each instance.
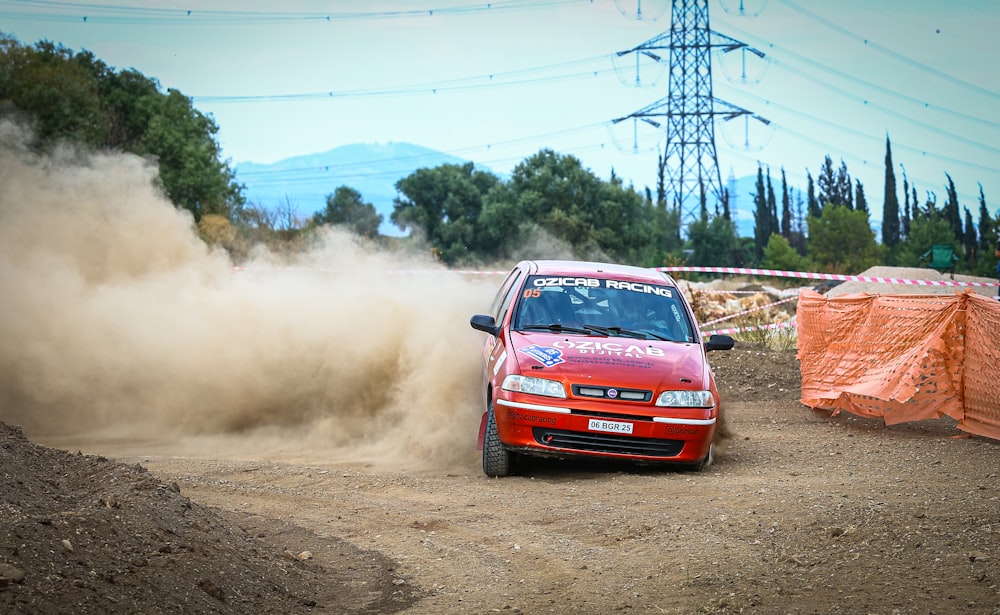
(484, 323)
(718, 342)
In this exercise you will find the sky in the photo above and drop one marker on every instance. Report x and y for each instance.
(496, 82)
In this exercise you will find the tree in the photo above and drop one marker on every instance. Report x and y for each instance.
(986, 264)
(907, 208)
(969, 240)
(925, 231)
(714, 242)
(860, 202)
(827, 184)
(444, 203)
(786, 208)
(182, 140)
(77, 98)
(835, 187)
(553, 195)
(951, 210)
(762, 228)
(840, 241)
(59, 95)
(345, 208)
(890, 202)
(798, 237)
(661, 181)
(814, 208)
(845, 187)
(772, 205)
(779, 254)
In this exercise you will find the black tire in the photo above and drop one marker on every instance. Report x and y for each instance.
(698, 466)
(497, 460)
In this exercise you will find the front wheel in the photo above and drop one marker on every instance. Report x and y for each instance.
(497, 460)
(706, 461)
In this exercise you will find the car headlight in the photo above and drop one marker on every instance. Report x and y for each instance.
(686, 399)
(535, 386)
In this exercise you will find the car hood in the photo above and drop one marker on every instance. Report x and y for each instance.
(611, 361)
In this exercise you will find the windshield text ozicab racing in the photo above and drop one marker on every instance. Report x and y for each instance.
(635, 287)
(613, 349)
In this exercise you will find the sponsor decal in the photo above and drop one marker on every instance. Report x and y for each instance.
(499, 363)
(636, 287)
(612, 361)
(545, 355)
(572, 282)
(683, 430)
(612, 349)
(514, 415)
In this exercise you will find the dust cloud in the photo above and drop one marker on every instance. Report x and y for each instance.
(117, 321)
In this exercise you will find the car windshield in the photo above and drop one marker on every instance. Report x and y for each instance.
(601, 306)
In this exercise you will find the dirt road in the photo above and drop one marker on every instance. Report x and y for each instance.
(802, 513)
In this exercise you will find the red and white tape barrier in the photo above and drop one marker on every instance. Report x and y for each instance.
(824, 276)
(779, 325)
(727, 270)
(750, 311)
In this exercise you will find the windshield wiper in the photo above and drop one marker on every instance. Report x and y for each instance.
(620, 332)
(559, 328)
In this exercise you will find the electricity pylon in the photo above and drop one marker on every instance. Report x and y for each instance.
(691, 164)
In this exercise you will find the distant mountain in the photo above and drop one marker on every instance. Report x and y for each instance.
(305, 181)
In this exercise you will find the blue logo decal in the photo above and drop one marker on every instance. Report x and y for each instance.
(545, 355)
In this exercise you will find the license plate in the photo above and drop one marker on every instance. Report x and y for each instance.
(609, 426)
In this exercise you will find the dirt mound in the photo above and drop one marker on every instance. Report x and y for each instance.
(85, 534)
(911, 273)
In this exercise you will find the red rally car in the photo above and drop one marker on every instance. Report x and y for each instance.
(597, 360)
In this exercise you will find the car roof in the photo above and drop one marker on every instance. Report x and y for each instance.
(604, 270)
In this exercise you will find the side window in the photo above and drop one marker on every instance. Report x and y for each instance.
(508, 296)
(501, 300)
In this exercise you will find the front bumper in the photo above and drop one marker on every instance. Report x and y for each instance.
(562, 430)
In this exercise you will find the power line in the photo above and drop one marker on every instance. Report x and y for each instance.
(43, 10)
(889, 52)
(142, 15)
(851, 78)
(493, 80)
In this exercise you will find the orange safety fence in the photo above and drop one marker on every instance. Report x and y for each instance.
(903, 357)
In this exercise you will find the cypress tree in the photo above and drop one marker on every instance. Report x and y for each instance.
(907, 207)
(772, 207)
(845, 188)
(798, 239)
(827, 183)
(786, 208)
(951, 210)
(987, 230)
(661, 182)
(890, 202)
(815, 210)
(761, 215)
(969, 239)
(860, 202)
